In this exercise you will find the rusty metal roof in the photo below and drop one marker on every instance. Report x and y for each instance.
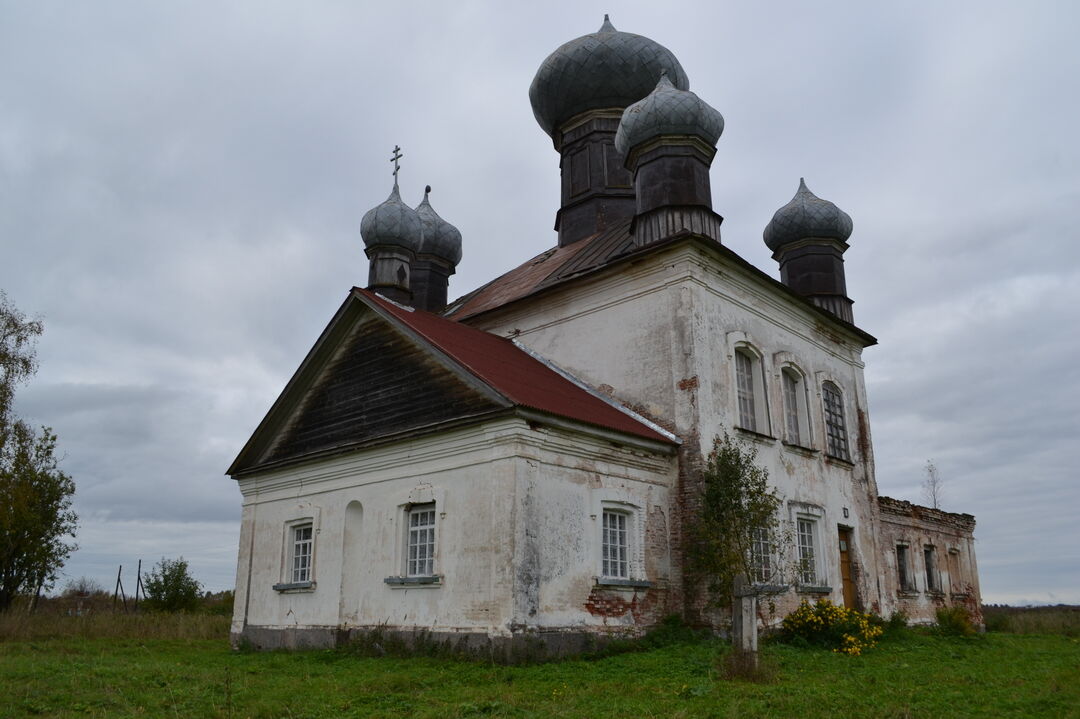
(544, 270)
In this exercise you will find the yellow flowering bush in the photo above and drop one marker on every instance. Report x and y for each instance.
(838, 628)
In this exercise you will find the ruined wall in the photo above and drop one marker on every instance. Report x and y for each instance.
(929, 561)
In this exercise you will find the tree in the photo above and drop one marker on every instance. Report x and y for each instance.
(735, 533)
(36, 518)
(171, 588)
(734, 540)
(932, 486)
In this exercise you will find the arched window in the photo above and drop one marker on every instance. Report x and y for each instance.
(796, 418)
(836, 443)
(750, 390)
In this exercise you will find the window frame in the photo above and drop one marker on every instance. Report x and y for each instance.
(931, 572)
(750, 390)
(837, 444)
(904, 577)
(618, 502)
(291, 578)
(796, 406)
(763, 565)
(425, 535)
(621, 533)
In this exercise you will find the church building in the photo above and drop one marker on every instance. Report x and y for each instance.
(519, 466)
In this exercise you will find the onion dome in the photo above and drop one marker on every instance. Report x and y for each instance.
(607, 68)
(440, 237)
(806, 216)
(392, 223)
(668, 110)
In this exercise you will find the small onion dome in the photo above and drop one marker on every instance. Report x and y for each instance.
(605, 69)
(806, 216)
(440, 237)
(392, 223)
(668, 111)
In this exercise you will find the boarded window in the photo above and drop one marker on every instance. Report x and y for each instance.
(903, 568)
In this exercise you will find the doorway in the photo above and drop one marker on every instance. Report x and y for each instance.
(845, 567)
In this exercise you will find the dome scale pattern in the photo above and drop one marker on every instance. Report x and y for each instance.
(668, 111)
(806, 216)
(392, 223)
(607, 68)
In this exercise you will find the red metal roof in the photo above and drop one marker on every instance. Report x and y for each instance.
(514, 373)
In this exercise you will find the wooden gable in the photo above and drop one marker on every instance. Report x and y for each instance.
(363, 382)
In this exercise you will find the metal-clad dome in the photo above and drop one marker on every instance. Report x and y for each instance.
(440, 237)
(607, 68)
(392, 223)
(667, 110)
(806, 216)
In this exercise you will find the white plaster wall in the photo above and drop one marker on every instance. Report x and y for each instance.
(661, 335)
(514, 541)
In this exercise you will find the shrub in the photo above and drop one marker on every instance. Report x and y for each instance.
(955, 622)
(171, 588)
(838, 628)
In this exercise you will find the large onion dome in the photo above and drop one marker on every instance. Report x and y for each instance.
(667, 110)
(605, 69)
(392, 223)
(807, 216)
(440, 237)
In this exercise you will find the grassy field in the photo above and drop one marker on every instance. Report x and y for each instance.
(919, 675)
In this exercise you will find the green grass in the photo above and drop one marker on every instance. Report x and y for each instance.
(998, 675)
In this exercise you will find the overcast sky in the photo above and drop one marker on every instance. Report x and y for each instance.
(181, 187)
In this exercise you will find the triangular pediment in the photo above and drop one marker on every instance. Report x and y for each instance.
(367, 379)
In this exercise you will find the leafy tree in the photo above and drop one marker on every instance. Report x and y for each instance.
(36, 518)
(737, 507)
(171, 588)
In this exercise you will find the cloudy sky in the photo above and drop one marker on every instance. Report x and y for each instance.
(181, 187)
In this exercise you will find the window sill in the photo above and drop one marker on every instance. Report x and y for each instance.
(295, 587)
(907, 593)
(760, 588)
(755, 435)
(813, 589)
(935, 593)
(960, 595)
(839, 461)
(614, 583)
(798, 448)
(434, 580)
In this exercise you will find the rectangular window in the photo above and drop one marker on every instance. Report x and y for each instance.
(761, 556)
(903, 568)
(302, 537)
(791, 407)
(420, 560)
(930, 560)
(614, 546)
(836, 433)
(807, 553)
(744, 378)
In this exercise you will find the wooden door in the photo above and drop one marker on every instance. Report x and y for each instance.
(845, 567)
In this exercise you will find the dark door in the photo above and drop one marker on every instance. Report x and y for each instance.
(845, 567)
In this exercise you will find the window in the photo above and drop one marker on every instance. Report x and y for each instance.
(903, 568)
(930, 560)
(796, 422)
(301, 554)
(615, 546)
(835, 431)
(420, 559)
(761, 560)
(805, 531)
(750, 390)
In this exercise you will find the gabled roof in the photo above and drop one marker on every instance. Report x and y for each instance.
(515, 374)
(381, 372)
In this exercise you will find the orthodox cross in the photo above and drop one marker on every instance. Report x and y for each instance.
(397, 156)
